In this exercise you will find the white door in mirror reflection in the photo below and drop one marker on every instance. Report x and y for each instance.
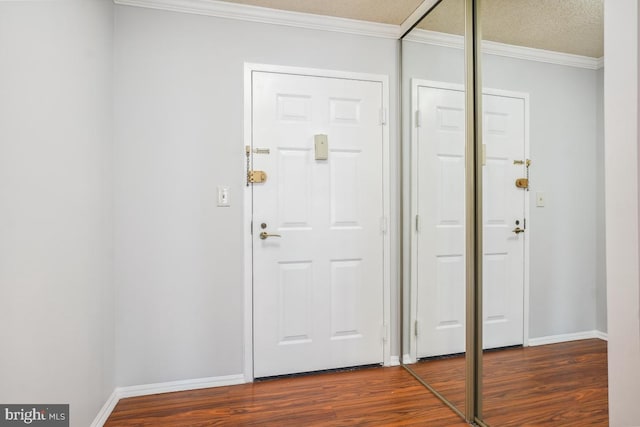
(503, 212)
(318, 271)
(440, 234)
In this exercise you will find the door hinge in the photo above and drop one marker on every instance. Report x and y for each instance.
(383, 116)
(251, 228)
(524, 223)
(383, 224)
(247, 151)
(415, 328)
(418, 121)
(418, 223)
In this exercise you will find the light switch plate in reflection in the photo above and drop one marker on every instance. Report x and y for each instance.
(223, 196)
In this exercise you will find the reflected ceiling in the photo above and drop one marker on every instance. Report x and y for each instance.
(569, 26)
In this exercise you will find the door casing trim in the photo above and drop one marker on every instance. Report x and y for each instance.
(249, 68)
(411, 356)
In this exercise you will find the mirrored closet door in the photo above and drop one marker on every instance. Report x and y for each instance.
(434, 143)
(543, 290)
(504, 296)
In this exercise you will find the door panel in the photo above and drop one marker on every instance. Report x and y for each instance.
(440, 312)
(441, 209)
(318, 288)
(503, 206)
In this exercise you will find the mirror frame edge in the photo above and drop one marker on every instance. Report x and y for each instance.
(474, 207)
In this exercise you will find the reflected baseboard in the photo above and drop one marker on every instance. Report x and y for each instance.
(576, 336)
(551, 339)
(407, 360)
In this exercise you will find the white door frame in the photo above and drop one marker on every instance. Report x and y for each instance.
(413, 308)
(249, 68)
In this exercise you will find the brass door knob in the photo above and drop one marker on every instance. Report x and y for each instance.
(264, 235)
(518, 230)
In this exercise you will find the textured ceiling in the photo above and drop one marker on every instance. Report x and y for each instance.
(382, 11)
(569, 26)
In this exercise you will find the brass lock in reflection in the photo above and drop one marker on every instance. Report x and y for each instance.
(522, 183)
(257, 176)
(518, 230)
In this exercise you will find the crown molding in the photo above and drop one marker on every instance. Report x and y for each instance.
(540, 55)
(435, 38)
(511, 51)
(265, 15)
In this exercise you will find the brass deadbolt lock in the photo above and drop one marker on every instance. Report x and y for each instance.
(257, 176)
(522, 183)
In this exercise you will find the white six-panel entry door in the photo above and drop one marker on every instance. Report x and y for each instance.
(439, 205)
(318, 223)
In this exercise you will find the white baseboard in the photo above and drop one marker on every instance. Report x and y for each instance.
(576, 336)
(106, 410)
(168, 387)
(602, 335)
(406, 359)
(394, 361)
(157, 388)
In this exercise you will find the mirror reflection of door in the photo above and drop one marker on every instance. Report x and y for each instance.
(440, 228)
(505, 213)
(434, 140)
(440, 225)
(552, 51)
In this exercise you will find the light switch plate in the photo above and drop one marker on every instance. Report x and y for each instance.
(540, 199)
(223, 196)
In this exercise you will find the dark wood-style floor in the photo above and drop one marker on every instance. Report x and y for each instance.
(553, 385)
(367, 397)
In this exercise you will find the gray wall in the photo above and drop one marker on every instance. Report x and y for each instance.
(56, 299)
(179, 134)
(566, 142)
